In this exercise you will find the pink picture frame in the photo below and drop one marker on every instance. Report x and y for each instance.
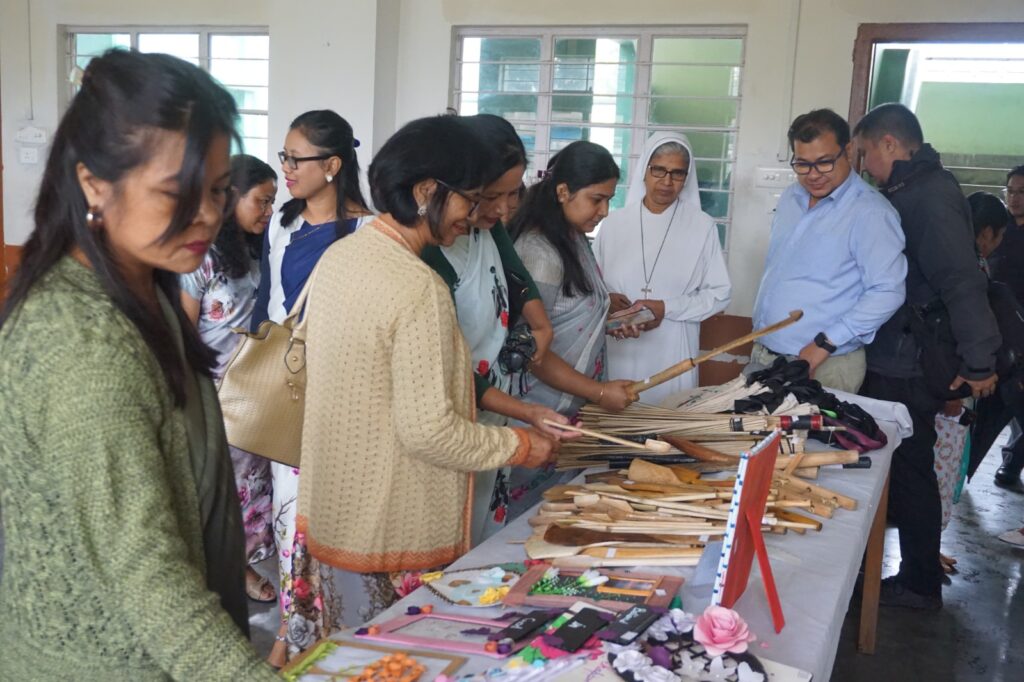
(443, 632)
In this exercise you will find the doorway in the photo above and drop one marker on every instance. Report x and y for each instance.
(965, 82)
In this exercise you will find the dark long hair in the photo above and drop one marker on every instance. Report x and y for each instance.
(236, 248)
(579, 165)
(125, 96)
(331, 134)
(502, 138)
(437, 147)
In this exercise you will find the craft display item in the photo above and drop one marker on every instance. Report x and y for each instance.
(391, 668)
(476, 587)
(630, 624)
(525, 627)
(673, 649)
(609, 589)
(445, 632)
(338, 661)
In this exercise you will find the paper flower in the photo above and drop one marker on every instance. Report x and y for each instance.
(550, 574)
(591, 578)
(747, 674)
(631, 661)
(654, 673)
(718, 671)
(720, 630)
(674, 622)
(493, 595)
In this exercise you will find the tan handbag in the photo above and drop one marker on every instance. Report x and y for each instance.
(263, 390)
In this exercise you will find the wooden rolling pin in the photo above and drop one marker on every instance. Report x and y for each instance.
(688, 364)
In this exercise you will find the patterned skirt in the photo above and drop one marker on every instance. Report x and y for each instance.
(252, 480)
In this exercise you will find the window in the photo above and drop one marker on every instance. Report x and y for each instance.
(238, 58)
(613, 87)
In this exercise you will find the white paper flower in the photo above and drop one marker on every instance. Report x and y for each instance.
(550, 574)
(591, 578)
(655, 673)
(689, 666)
(682, 620)
(631, 661)
(617, 649)
(662, 628)
(747, 674)
(719, 671)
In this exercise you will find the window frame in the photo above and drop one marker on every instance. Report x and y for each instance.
(68, 58)
(640, 127)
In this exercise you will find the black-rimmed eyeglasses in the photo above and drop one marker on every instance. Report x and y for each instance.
(677, 174)
(821, 165)
(293, 161)
(473, 201)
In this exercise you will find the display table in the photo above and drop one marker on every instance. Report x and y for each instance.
(815, 572)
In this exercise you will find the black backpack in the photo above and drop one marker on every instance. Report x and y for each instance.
(1009, 316)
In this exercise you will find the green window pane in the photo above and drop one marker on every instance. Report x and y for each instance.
(500, 49)
(690, 112)
(723, 230)
(513, 107)
(95, 44)
(606, 50)
(249, 97)
(712, 145)
(615, 140)
(506, 77)
(253, 125)
(239, 47)
(714, 175)
(182, 45)
(241, 71)
(591, 109)
(715, 204)
(695, 81)
(699, 50)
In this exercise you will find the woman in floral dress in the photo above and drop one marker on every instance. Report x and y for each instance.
(218, 297)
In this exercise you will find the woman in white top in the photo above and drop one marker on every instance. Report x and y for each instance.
(661, 250)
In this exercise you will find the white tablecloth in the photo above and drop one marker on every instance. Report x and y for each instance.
(814, 572)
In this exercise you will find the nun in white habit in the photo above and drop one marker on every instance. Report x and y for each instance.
(663, 251)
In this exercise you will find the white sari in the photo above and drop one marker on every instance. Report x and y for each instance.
(689, 275)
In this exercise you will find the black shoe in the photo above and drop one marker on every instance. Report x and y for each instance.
(1008, 478)
(893, 593)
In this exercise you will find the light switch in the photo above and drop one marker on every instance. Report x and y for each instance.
(774, 178)
(28, 155)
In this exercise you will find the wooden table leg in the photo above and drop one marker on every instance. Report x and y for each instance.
(873, 576)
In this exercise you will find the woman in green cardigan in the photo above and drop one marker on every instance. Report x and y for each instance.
(124, 551)
(486, 276)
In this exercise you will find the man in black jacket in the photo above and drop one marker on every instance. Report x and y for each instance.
(942, 272)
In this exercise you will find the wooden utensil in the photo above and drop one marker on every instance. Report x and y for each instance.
(650, 444)
(688, 364)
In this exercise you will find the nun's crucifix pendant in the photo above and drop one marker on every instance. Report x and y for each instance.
(646, 291)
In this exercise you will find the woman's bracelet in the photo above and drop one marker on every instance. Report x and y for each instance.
(601, 395)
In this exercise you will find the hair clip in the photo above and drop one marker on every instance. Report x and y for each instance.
(355, 142)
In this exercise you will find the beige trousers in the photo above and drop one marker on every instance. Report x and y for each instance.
(843, 372)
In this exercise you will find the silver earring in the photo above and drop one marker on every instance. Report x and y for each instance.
(422, 210)
(329, 177)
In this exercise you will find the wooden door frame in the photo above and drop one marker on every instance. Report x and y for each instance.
(868, 35)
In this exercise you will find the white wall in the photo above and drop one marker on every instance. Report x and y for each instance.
(382, 62)
(822, 75)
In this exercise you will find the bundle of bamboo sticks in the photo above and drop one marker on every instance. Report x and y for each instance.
(659, 515)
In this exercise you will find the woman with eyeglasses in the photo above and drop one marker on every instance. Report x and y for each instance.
(124, 551)
(499, 307)
(218, 297)
(321, 172)
(662, 252)
(549, 231)
(389, 439)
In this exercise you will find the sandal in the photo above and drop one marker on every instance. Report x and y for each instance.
(257, 589)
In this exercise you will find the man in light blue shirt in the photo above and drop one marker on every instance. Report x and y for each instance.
(836, 252)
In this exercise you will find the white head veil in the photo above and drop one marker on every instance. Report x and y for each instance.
(689, 196)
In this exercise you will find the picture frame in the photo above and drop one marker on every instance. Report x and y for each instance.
(444, 632)
(622, 590)
(335, 659)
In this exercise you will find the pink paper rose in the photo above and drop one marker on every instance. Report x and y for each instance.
(720, 629)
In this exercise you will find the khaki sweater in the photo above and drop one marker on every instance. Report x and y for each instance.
(388, 439)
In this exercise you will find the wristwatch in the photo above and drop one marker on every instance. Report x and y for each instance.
(821, 341)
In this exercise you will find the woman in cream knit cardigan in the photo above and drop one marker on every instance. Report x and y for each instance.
(389, 439)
